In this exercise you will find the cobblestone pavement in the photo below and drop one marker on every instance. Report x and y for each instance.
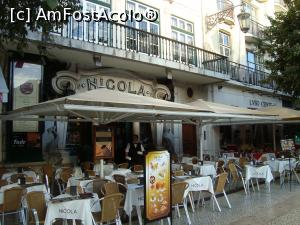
(280, 207)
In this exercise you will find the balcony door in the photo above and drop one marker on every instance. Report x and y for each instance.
(140, 38)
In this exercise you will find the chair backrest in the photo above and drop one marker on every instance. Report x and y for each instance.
(221, 182)
(137, 168)
(178, 190)
(187, 168)
(12, 199)
(98, 186)
(3, 183)
(243, 161)
(119, 178)
(109, 207)
(264, 159)
(79, 190)
(86, 165)
(123, 165)
(36, 200)
(110, 188)
(66, 174)
(233, 171)
(29, 179)
(14, 178)
(194, 160)
(91, 172)
(48, 170)
(179, 173)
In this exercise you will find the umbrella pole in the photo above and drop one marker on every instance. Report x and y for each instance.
(274, 138)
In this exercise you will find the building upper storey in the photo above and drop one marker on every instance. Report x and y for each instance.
(188, 35)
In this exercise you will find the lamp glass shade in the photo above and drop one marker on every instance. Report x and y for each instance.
(244, 21)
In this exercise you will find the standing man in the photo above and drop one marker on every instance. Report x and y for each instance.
(134, 151)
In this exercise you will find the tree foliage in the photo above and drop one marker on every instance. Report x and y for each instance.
(281, 42)
(17, 32)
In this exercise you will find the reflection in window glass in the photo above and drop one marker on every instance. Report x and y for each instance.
(26, 82)
(189, 27)
(181, 24)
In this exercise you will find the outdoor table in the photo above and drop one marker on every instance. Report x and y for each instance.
(82, 182)
(176, 166)
(6, 176)
(263, 172)
(280, 165)
(134, 197)
(73, 209)
(119, 171)
(268, 156)
(198, 184)
(107, 168)
(186, 160)
(205, 169)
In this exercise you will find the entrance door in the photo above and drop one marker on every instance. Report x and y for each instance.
(189, 140)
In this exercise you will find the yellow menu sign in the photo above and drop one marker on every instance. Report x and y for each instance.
(157, 179)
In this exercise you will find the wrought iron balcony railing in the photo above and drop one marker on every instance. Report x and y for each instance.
(127, 38)
(256, 29)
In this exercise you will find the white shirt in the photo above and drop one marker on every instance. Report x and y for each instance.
(128, 147)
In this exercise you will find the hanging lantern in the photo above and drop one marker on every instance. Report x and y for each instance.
(244, 21)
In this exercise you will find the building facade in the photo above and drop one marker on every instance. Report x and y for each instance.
(194, 49)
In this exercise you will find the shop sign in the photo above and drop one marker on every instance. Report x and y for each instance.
(259, 103)
(157, 185)
(104, 142)
(112, 79)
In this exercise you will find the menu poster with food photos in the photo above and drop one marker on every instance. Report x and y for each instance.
(157, 185)
(104, 143)
(287, 144)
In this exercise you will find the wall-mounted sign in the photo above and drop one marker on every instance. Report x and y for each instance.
(157, 185)
(260, 103)
(104, 143)
(112, 79)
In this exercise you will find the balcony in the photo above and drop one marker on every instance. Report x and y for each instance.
(226, 7)
(248, 75)
(255, 32)
(280, 6)
(115, 36)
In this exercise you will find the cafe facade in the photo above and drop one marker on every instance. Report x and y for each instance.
(175, 58)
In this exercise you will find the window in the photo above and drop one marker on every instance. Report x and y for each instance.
(223, 5)
(254, 61)
(255, 64)
(138, 40)
(92, 31)
(181, 24)
(224, 41)
(251, 10)
(183, 33)
(25, 137)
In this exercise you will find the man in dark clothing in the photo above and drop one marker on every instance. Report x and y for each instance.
(135, 151)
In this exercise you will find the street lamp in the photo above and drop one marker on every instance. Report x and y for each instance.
(243, 18)
(244, 21)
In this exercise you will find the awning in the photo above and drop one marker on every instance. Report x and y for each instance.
(282, 112)
(222, 108)
(3, 88)
(104, 106)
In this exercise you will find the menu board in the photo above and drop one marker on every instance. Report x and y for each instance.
(287, 144)
(158, 190)
(104, 143)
